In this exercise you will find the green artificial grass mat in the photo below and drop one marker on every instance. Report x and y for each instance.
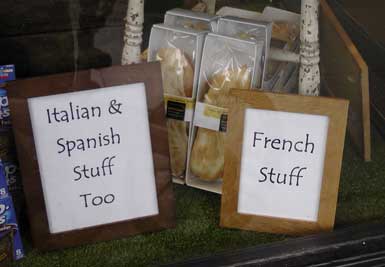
(361, 200)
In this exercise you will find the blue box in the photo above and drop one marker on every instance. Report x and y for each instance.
(8, 219)
(5, 114)
(8, 222)
(7, 73)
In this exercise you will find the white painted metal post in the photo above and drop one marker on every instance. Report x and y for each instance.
(133, 32)
(309, 77)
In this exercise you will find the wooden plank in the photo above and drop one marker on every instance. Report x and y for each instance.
(50, 53)
(346, 75)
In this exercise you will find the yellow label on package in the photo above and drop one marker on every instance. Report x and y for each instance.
(179, 108)
(210, 117)
(214, 112)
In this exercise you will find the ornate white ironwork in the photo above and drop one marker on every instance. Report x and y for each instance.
(133, 32)
(309, 77)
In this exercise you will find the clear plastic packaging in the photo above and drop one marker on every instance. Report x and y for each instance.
(252, 30)
(279, 76)
(226, 63)
(188, 19)
(179, 51)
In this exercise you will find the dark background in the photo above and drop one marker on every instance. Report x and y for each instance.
(51, 36)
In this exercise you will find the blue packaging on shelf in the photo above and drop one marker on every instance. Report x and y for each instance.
(5, 114)
(8, 157)
(3, 182)
(12, 175)
(8, 221)
(7, 73)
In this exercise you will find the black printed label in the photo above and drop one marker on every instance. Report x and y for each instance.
(223, 123)
(175, 110)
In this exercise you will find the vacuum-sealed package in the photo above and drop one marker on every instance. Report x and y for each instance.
(227, 63)
(252, 30)
(191, 20)
(179, 52)
(279, 76)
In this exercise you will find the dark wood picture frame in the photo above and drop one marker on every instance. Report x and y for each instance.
(335, 109)
(20, 91)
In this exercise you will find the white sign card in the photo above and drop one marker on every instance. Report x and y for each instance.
(282, 164)
(95, 156)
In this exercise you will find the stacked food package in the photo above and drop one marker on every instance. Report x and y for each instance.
(279, 76)
(202, 57)
(254, 31)
(179, 52)
(227, 63)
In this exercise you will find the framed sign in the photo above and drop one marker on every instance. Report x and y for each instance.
(283, 157)
(93, 152)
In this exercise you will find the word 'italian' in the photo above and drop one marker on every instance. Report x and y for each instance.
(68, 146)
(302, 146)
(73, 113)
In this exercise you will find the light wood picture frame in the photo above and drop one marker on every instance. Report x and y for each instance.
(334, 109)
